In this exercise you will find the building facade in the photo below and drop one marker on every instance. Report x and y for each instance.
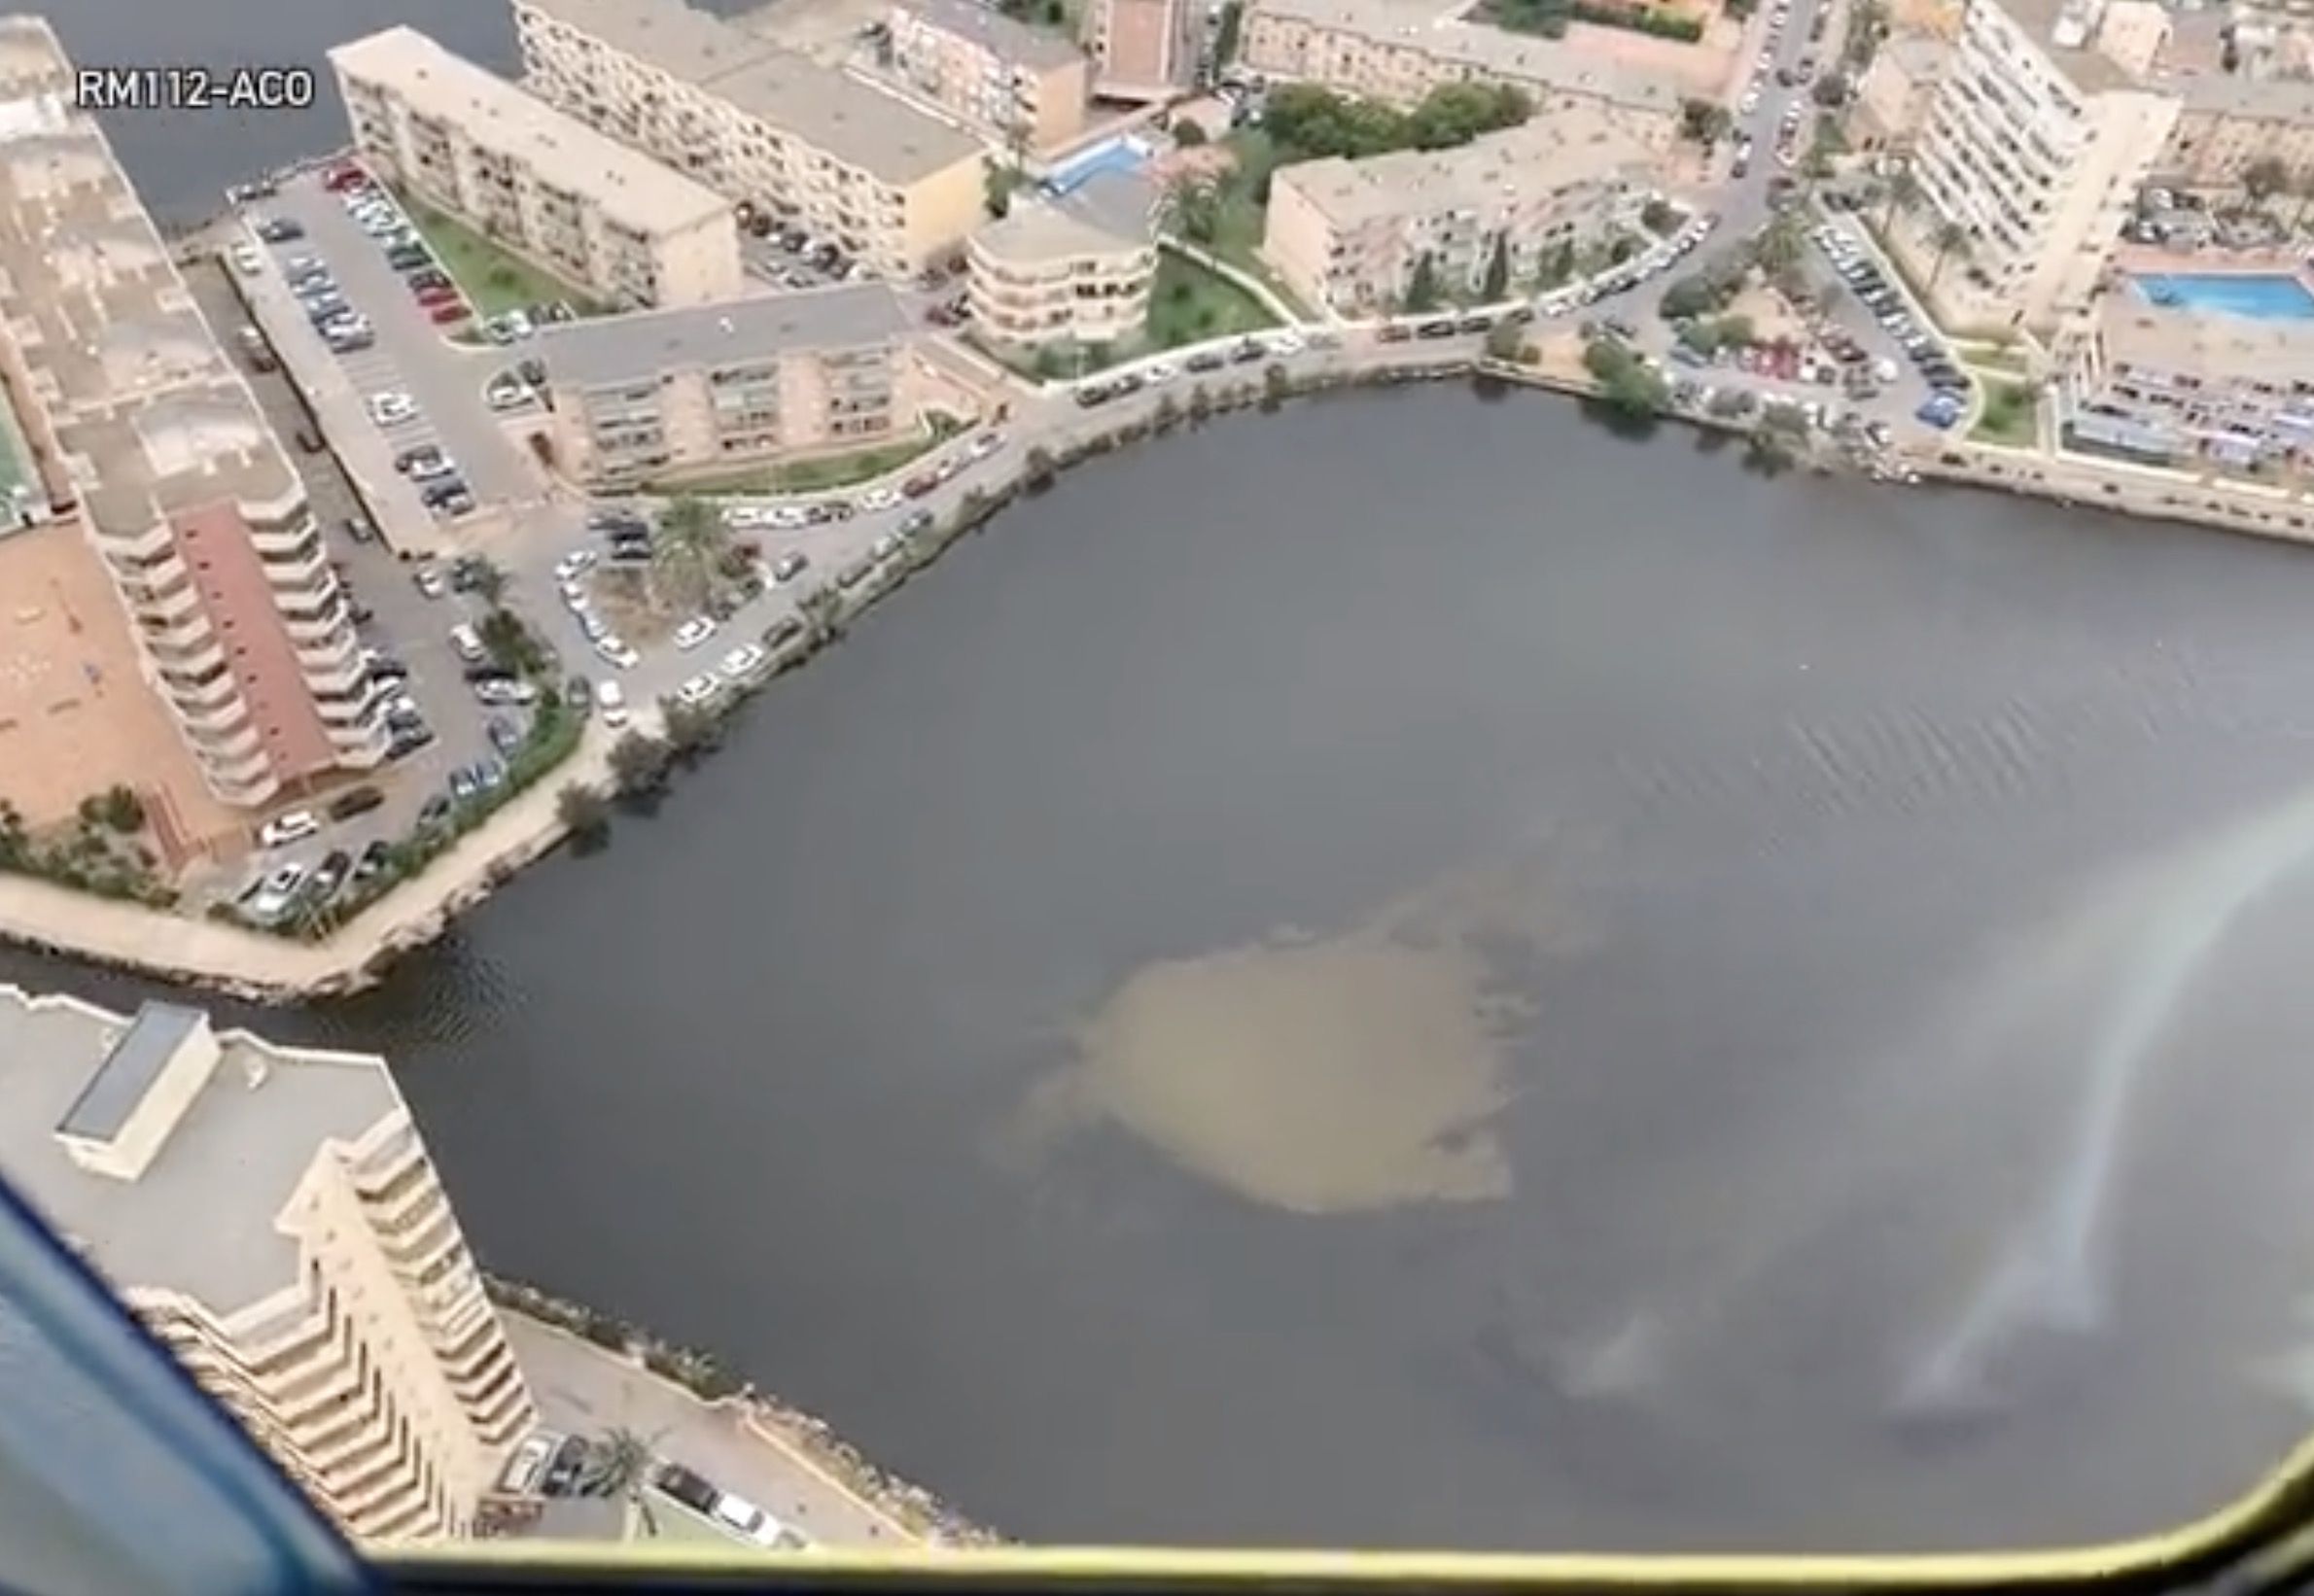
(671, 394)
(586, 208)
(1398, 51)
(2227, 125)
(1028, 87)
(2189, 388)
(1144, 50)
(888, 184)
(2036, 140)
(1073, 270)
(138, 424)
(1353, 235)
(271, 1215)
(1893, 96)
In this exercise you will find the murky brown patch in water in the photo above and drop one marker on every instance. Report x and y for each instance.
(1320, 1076)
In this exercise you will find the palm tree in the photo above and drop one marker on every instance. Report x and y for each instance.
(1780, 245)
(1952, 239)
(617, 1464)
(688, 551)
(488, 579)
(1904, 193)
(1191, 207)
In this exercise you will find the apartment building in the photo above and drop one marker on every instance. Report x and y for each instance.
(2188, 388)
(1066, 270)
(1025, 85)
(1398, 51)
(1352, 235)
(2227, 124)
(1145, 49)
(271, 1215)
(546, 185)
(675, 392)
(2037, 141)
(138, 424)
(1893, 96)
(886, 182)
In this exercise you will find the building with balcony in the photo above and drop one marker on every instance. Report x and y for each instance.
(1025, 85)
(1073, 270)
(2187, 387)
(138, 425)
(271, 1216)
(853, 165)
(2227, 124)
(1144, 50)
(1352, 235)
(2040, 133)
(546, 185)
(672, 394)
(1398, 51)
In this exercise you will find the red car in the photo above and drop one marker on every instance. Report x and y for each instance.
(431, 297)
(446, 314)
(341, 178)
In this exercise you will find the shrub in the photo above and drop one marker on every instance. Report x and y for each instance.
(639, 764)
(586, 815)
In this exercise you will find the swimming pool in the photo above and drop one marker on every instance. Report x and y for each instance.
(2264, 297)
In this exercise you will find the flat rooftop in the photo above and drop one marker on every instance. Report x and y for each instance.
(1526, 163)
(1009, 40)
(603, 351)
(2204, 344)
(1426, 25)
(155, 418)
(823, 105)
(631, 188)
(2089, 68)
(1109, 213)
(202, 1218)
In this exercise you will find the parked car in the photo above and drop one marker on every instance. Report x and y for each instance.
(284, 829)
(693, 633)
(355, 801)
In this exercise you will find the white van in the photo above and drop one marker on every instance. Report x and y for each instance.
(469, 644)
(611, 701)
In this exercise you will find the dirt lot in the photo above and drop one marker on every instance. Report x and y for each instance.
(76, 717)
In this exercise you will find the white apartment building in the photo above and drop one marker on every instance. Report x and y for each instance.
(1146, 50)
(852, 164)
(1398, 51)
(1023, 85)
(1352, 235)
(584, 207)
(2187, 387)
(2041, 131)
(674, 392)
(271, 1215)
(1073, 269)
(140, 426)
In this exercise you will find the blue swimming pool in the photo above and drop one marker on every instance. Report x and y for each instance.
(2264, 297)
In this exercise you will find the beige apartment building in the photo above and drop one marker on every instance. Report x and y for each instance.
(140, 427)
(690, 393)
(1350, 235)
(2037, 141)
(2227, 124)
(1146, 50)
(852, 164)
(1027, 87)
(271, 1215)
(549, 188)
(2184, 388)
(1398, 51)
(1894, 94)
(1070, 270)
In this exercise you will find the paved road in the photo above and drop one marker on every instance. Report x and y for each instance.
(583, 1390)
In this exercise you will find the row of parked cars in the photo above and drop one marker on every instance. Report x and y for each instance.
(1877, 294)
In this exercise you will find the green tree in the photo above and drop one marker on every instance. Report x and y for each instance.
(1704, 122)
(2265, 178)
(689, 551)
(1190, 207)
(1188, 132)
(996, 185)
(1421, 288)
(1902, 194)
(1951, 241)
(639, 764)
(1627, 386)
(1497, 286)
(585, 814)
(1781, 244)
(1226, 32)
(123, 810)
(486, 578)
(513, 648)
(822, 610)
(1506, 343)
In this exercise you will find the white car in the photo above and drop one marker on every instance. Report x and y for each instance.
(880, 499)
(247, 260)
(284, 829)
(738, 1514)
(573, 593)
(592, 624)
(745, 517)
(506, 396)
(788, 517)
(617, 653)
(499, 692)
(611, 702)
(1157, 374)
(743, 662)
(1748, 104)
(576, 563)
(1286, 343)
(698, 691)
(273, 894)
(986, 444)
(694, 632)
(391, 406)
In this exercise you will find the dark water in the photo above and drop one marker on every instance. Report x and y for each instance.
(1902, 1117)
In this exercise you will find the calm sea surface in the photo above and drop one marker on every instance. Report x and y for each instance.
(1409, 972)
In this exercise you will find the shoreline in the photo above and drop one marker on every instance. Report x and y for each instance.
(239, 962)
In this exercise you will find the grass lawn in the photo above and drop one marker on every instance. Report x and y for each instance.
(1238, 232)
(2010, 415)
(1190, 304)
(494, 280)
(815, 476)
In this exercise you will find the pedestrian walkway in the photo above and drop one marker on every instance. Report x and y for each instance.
(584, 1389)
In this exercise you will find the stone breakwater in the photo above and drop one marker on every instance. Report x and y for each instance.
(909, 1506)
